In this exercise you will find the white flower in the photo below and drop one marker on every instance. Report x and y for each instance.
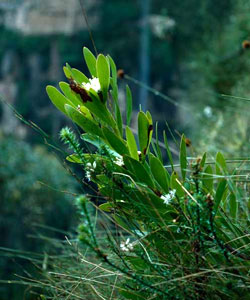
(168, 197)
(208, 111)
(92, 84)
(126, 246)
(119, 161)
(89, 168)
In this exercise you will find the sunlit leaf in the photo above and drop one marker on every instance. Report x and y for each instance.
(131, 143)
(90, 61)
(103, 73)
(58, 99)
(86, 124)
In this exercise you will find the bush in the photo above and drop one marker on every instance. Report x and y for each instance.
(179, 231)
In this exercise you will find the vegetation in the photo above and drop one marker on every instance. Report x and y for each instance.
(162, 215)
(175, 231)
(32, 184)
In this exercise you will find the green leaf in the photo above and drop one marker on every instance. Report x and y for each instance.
(168, 151)
(79, 76)
(207, 179)
(129, 104)
(103, 73)
(220, 164)
(138, 170)
(144, 132)
(106, 207)
(74, 158)
(114, 78)
(69, 94)
(233, 205)
(100, 110)
(183, 157)
(175, 185)
(159, 173)
(221, 188)
(58, 99)
(67, 72)
(203, 160)
(90, 61)
(115, 142)
(131, 143)
(86, 124)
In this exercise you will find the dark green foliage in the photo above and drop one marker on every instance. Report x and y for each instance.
(33, 188)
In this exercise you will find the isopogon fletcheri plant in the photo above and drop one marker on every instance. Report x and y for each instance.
(180, 228)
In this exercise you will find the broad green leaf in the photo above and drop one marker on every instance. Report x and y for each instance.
(58, 99)
(168, 150)
(129, 104)
(100, 110)
(86, 124)
(233, 205)
(207, 179)
(183, 157)
(159, 173)
(220, 164)
(174, 185)
(69, 94)
(106, 207)
(131, 143)
(79, 76)
(150, 120)
(67, 72)
(115, 142)
(103, 73)
(139, 171)
(74, 158)
(90, 61)
(144, 132)
(74, 99)
(219, 194)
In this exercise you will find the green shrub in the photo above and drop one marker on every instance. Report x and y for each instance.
(177, 231)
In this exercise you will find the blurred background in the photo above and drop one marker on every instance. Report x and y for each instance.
(191, 60)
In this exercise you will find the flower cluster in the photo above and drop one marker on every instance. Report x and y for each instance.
(119, 161)
(126, 246)
(168, 197)
(93, 84)
(90, 168)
